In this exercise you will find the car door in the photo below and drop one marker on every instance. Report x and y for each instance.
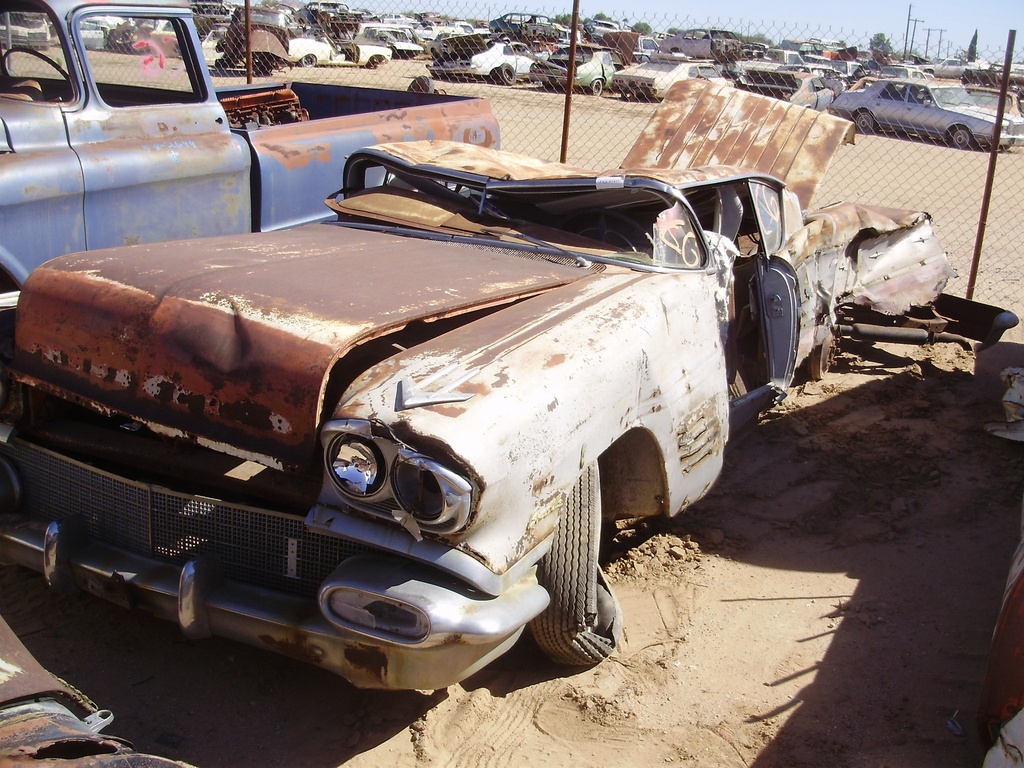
(923, 116)
(890, 106)
(776, 286)
(158, 159)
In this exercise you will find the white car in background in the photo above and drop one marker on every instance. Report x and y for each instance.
(650, 80)
(309, 51)
(400, 39)
(473, 56)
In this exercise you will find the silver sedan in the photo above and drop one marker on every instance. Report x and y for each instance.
(940, 111)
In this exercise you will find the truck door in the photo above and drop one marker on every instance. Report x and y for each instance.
(42, 185)
(158, 159)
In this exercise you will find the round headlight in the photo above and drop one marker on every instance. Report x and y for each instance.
(418, 490)
(356, 465)
(436, 497)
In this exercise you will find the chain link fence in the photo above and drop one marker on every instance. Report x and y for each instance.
(915, 156)
(916, 147)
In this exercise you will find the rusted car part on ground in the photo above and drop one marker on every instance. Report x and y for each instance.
(999, 720)
(387, 444)
(44, 721)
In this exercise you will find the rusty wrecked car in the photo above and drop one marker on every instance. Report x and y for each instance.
(388, 443)
(45, 721)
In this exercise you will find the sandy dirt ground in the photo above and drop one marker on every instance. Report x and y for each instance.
(830, 603)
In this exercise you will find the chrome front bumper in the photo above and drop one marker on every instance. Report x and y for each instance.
(463, 631)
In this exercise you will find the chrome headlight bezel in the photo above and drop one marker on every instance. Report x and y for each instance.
(402, 483)
(435, 496)
(342, 458)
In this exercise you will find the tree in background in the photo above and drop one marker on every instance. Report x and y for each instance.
(972, 49)
(758, 38)
(879, 42)
(642, 28)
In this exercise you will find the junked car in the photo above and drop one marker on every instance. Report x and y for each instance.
(527, 27)
(721, 45)
(904, 72)
(988, 99)
(651, 80)
(938, 111)
(474, 57)
(400, 39)
(793, 85)
(1000, 715)
(303, 51)
(45, 721)
(387, 444)
(595, 69)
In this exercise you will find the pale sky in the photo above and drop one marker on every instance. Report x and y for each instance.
(954, 21)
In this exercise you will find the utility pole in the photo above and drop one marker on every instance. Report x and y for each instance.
(906, 35)
(938, 48)
(913, 35)
(927, 40)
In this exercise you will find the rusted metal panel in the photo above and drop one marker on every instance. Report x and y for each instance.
(445, 157)
(302, 163)
(897, 264)
(21, 676)
(231, 343)
(1002, 692)
(701, 123)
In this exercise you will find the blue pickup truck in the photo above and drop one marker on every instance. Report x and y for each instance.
(112, 133)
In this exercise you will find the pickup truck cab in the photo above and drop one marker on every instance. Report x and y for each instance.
(112, 133)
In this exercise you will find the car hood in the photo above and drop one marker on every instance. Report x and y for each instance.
(979, 113)
(465, 46)
(701, 123)
(230, 341)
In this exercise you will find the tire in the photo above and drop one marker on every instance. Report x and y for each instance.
(959, 137)
(263, 65)
(582, 625)
(374, 62)
(421, 84)
(504, 75)
(865, 122)
(596, 87)
(307, 61)
(820, 361)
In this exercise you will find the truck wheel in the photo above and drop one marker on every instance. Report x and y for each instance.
(504, 75)
(583, 623)
(596, 87)
(865, 122)
(307, 61)
(374, 62)
(960, 137)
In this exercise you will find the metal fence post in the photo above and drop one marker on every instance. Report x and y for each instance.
(993, 152)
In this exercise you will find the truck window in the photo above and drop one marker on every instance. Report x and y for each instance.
(137, 60)
(33, 65)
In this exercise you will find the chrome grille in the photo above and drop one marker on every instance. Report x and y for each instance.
(254, 546)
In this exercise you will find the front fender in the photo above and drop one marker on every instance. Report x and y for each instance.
(552, 382)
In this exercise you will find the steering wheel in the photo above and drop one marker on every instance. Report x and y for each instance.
(615, 229)
(5, 69)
